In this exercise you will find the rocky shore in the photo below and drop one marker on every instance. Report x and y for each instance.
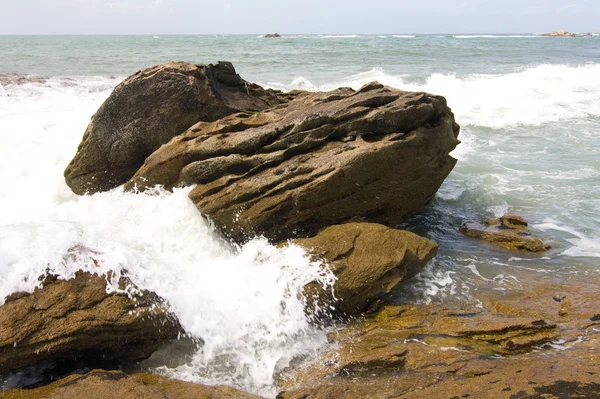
(334, 173)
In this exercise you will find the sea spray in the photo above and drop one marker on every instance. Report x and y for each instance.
(243, 302)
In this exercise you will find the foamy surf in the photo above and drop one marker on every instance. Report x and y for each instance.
(244, 303)
(531, 97)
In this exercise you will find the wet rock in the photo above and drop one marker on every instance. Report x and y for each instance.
(78, 321)
(503, 348)
(367, 259)
(509, 232)
(100, 384)
(149, 108)
(377, 154)
(16, 79)
(272, 35)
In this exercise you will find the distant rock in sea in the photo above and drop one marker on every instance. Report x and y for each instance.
(272, 35)
(560, 33)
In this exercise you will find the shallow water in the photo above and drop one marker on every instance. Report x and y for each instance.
(529, 108)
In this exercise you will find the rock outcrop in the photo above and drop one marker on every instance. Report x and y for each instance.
(378, 154)
(513, 345)
(509, 232)
(272, 35)
(560, 33)
(367, 259)
(100, 384)
(75, 320)
(149, 108)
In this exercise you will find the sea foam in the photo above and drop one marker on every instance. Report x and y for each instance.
(243, 302)
(529, 97)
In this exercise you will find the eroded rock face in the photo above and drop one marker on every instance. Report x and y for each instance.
(100, 384)
(149, 108)
(67, 321)
(367, 259)
(379, 154)
(509, 232)
(513, 345)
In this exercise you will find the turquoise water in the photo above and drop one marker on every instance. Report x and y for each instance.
(529, 108)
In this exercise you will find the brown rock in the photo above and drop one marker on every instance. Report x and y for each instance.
(149, 108)
(501, 349)
(272, 35)
(509, 232)
(100, 384)
(367, 259)
(378, 154)
(76, 320)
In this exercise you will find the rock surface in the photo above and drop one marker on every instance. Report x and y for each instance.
(378, 154)
(272, 35)
(67, 321)
(509, 232)
(514, 345)
(149, 108)
(367, 259)
(100, 384)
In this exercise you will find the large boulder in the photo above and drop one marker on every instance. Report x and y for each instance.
(77, 320)
(100, 384)
(148, 109)
(378, 154)
(367, 259)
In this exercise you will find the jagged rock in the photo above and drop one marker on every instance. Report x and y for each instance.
(508, 232)
(149, 108)
(272, 35)
(378, 154)
(367, 259)
(100, 384)
(77, 320)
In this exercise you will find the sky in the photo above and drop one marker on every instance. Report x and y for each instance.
(296, 16)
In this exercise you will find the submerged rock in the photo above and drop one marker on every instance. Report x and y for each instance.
(367, 259)
(78, 321)
(149, 108)
(508, 232)
(100, 384)
(378, 153)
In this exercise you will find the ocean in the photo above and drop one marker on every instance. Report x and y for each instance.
(529, 110)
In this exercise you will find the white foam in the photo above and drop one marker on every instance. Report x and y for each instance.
(339, 36)
(403, 36)
(495, 36)
(531, 97)
(583, 245)
(243, 302)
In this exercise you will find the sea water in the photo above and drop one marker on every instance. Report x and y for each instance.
(528, 106)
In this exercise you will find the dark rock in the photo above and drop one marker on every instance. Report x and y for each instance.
(509, 232)
(367, 259)
(378, 154)
(272, 35)
(100, 384)
(77, 320)
(149, 108)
